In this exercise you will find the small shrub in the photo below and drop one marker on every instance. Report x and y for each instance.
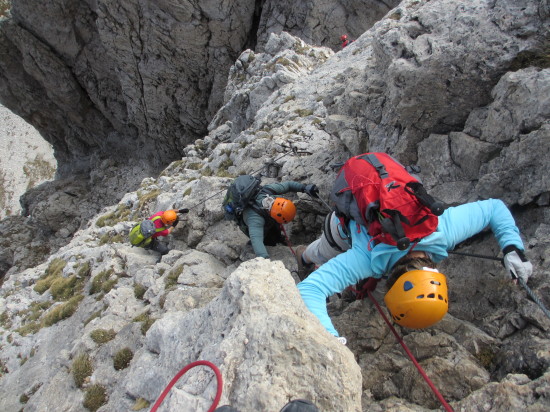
(94, 315)
(122, 358)
(81, 368)
(101, 336)
(5, 6)
(83, 270)
(146, 198)
(95, 397)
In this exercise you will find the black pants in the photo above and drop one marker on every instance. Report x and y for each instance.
(273, 235)
(158, 246)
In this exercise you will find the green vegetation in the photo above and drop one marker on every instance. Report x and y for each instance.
(187, 192)
(140, 404)
(95, 397)
(144, 199)
(81, 368)
(486, 356)
(147, 321)
(5, 320)
(107, 238)
(207, 171)
(531, 58)
(94, 315)
(63, 289)
(194, 166)
(63, 311)
(53, 272)
(24, 398)
(102, 283)
(289, 98)
(303, 112)
(172, 279)
(121, 214)
(101, 336)
(122, 358)
(139, 290)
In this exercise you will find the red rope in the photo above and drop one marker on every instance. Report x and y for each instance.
(182, 372)
(287, 239)
(447, 407)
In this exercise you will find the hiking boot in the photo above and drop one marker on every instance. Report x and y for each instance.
(303, 269)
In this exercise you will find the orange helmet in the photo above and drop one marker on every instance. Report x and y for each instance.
(282, 210)
(418, 298)
(169, 217)
(343, 37)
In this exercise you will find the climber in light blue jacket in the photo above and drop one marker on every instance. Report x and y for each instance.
(360, 262)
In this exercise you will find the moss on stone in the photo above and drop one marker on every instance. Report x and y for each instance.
(140, 404)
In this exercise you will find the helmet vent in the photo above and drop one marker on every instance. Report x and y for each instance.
(420, 297)
(435, 282)
(440, 297)
(431, 295)
(407, 286)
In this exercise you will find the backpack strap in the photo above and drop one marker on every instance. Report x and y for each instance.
(376, 163)
(158, 229)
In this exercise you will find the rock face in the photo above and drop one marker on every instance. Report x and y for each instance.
(27, 161)
(458, 88)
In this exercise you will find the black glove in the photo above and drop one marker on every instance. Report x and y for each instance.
(175, 222)
(183, 211)
(312, 190)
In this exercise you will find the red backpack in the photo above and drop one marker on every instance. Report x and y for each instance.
(378, 192)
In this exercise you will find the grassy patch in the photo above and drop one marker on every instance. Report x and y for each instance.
(108, 238)
(303, 112)
(38, 169)
(101, 336)
(172, 279)
(121, 214)
(147, 322)
(144, 199)
(95, 397)
(5, 320)
(102, 282)
(139, 290)
(63, 311)
(54, 271)
(207, 171)
(81, 369)
(122, 359)
(140, 404)
(194, 166)
(62, 289)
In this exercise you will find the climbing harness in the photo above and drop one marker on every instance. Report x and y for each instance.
(182, 372)
(447, 407)
(520, 280)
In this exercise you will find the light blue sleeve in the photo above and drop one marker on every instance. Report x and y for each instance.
(462, 222)
(333, 277)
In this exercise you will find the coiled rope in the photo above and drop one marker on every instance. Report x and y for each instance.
(182, 372)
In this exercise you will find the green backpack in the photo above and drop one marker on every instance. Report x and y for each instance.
(140, 234)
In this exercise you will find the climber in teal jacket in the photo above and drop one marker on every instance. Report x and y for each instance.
(456, 224)
(263, 218)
